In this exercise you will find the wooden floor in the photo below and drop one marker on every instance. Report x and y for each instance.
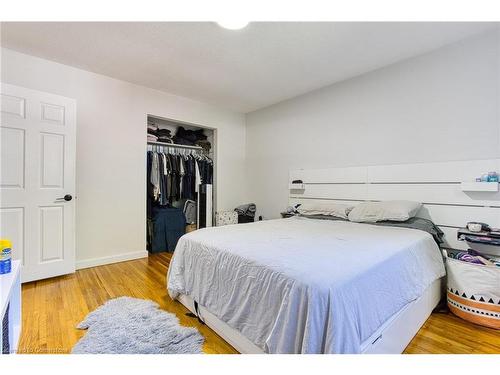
(53, 307)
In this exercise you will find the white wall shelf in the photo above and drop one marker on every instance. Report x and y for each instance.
(479, 186)
(296, 186)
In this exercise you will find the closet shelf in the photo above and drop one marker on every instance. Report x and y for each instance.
(174, 145)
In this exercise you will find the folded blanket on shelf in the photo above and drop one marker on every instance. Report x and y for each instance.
(152, 129)
(163, 133)
(188, 137)
(152, 138)
(165, 139)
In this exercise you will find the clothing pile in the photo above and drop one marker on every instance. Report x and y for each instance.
(192, 138)
(156, 134)
(246, 212)
(473, 256)
(204, 144)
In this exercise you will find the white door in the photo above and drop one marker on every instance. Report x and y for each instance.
(37, 132)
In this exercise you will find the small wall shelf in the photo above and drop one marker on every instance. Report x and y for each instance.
(479, 186)
(296, 186)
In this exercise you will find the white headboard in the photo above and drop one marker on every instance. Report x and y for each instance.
(436, 185)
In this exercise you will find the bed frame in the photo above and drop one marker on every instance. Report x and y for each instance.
(391, 338)
(437, 185)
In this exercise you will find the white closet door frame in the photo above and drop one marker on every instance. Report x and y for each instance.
(38, 149)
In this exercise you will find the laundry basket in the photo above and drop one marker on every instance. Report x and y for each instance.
(473, 292)
(226, 218)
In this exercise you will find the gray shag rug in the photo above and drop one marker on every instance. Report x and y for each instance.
(128, 325)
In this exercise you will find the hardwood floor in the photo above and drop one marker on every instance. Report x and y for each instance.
(52, 308)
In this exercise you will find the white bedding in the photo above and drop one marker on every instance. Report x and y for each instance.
(302, 285)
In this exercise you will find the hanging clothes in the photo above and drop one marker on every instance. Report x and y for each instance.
(174, 174)
(172, 177)
(175, 177)
(189, 179)
(197, 181)
(155, 176)
(149, 186)
(181, 176)
(205, 170)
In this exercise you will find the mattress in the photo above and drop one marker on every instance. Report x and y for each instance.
(301, 285)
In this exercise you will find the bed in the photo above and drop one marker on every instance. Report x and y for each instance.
(302, 285)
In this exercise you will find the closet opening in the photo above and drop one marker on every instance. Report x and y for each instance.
(180, 181)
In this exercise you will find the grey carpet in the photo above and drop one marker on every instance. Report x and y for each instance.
(128, 325)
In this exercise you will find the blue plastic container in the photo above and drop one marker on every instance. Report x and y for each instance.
(5, 256)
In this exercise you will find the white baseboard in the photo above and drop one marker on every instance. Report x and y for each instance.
(110, 259)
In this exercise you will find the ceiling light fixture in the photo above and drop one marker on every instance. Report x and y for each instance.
(233, 24)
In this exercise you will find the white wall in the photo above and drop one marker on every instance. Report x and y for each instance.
(441, 106)
(111, 145)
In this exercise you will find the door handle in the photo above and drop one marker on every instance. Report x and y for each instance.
(66, 198)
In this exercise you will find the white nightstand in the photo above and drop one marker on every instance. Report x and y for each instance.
(10, 295)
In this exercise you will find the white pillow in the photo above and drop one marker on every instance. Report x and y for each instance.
(387, 210)
(328, 209)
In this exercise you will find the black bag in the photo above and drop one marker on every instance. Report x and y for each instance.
(245, 219)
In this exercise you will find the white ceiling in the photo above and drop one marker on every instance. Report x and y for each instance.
(242, 70)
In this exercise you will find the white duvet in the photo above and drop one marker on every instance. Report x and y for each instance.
(302, 285)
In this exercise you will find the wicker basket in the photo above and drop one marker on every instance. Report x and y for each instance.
(473, 292)
(226, 218)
